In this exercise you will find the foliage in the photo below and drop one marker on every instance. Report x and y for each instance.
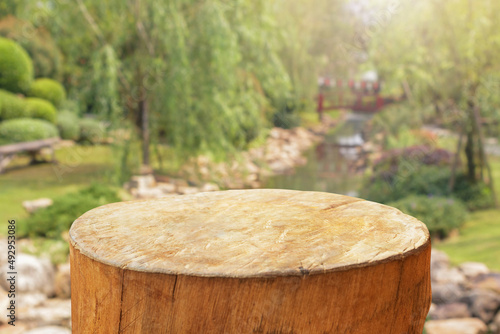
(57, 218)
(440, 214)
(41, 109)
(68, 125)
(433, 47)
(15, 66)
(26, 129)
(92, 131)
(49, 90)
(476, 195)
(287, 116)
(12, 106)
(37, 41)
(421, 170)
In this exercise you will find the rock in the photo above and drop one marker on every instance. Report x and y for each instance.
(439, 259)
(489, 281)
(27, 300)
(19, 328)
(62, 283)
(448, 275)
(446, 293)
(49, 330)
(473, 269)
(34, 205)
(52, 312)
(147, 193)
(456, 326)
(142, 181)
(4, 302)
(187, 190)
(450, 311)
(483, 304)
(34, 275)
(209, 187)
(495, 326)
(167, 188)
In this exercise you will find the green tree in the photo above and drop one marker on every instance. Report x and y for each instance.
(446, 51)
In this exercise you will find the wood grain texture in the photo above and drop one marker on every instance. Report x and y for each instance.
(250, 261)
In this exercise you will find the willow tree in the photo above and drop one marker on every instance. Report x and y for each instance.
(447, 51)
(202, 75)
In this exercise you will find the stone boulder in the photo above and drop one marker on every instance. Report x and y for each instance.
(53, 312)
(456, 326)
(450, 311)
(446, 293)
(62, 283)
(495, 325)
(487, 281)
(37, 204)
(473, 269)
(34, 275)
(483, 304)
(49, 330)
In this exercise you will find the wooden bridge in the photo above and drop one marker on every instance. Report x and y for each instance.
(359, 96)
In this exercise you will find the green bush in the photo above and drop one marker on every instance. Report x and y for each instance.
(440, 214)
(16, 67)
(387, 186)
(26, 129)
(12, 106)
(68, 125)
(38, 42)
(42, 109)
(57, 218)
(476, 196)
(49, 90)
(91, 131)
(286, 116)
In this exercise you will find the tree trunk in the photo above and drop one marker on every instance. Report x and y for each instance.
(470, 156)
(249, 261)
(144, 112)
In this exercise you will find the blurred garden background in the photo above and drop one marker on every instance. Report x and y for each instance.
(154, 98)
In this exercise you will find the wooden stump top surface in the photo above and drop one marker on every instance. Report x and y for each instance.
(247, 233)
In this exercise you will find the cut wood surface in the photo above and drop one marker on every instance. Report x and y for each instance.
(249, 261)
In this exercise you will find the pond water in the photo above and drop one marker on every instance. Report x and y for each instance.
(333, 165)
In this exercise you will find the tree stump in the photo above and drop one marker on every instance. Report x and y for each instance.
(249, 261)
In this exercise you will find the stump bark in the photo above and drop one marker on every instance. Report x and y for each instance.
(249, 261)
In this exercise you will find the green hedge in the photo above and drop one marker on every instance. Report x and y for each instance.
(12, 106)
(41, 109)
(440, 214)
(49, 90)
(92, 131)
(68, 125)
(57, 218)
(26, 129)
(16, 67)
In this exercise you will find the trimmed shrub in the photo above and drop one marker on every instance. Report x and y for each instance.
(42, 109)
(49, 90)
(68, 125)
(91, 131)
(57, 218)
(26, 129)
(12, 106)
(15, 66)
(42, 49)
(440, 214)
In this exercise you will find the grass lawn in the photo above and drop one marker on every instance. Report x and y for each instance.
(479, 238)
(78, 166)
